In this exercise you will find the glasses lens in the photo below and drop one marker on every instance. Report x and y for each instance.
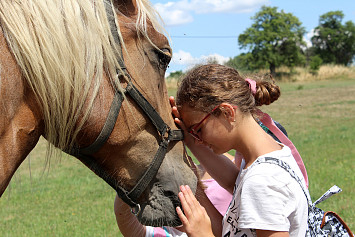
(192, 131)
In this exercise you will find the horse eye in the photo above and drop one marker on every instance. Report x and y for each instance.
(166, 51)
(164, 57)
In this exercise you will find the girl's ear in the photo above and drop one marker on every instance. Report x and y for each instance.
(228, 111)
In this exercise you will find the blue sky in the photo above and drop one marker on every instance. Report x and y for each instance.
(200, 29)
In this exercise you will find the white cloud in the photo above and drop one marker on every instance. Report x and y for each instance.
(181, 12)
(173, 16)
(308, 38)
(225, 6)
(186, 59)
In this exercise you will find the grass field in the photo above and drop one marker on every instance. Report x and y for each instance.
(66, 199)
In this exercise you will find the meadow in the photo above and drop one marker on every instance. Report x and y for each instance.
(64, 198)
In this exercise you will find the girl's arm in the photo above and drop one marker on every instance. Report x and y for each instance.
(126, 221)
(219, 167)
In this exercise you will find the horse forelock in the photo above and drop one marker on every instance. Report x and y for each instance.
(63, 49)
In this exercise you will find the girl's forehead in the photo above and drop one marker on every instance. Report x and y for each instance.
(190, 115)
(189, 111)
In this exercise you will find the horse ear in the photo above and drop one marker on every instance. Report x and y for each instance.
(126, 7)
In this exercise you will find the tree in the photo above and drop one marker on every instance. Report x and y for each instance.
(333, 41)
(176, 74)
(274, 39)
(242, 62)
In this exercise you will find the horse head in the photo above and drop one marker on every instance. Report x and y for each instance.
(70, 72)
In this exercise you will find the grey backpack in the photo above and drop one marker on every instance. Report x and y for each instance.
(320, 223)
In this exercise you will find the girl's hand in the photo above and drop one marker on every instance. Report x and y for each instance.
(189, 140)
(195, 220)
(176, 114)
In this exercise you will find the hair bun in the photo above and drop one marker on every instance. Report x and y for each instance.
(266, 93)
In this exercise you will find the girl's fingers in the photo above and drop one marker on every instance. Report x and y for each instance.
(195, 206)
(172, 101)
(189, 202)
(185, 203)
(175, 112)
(174, 109)
(192, 197)
(194, 218)
(180, 123)
(182, 217)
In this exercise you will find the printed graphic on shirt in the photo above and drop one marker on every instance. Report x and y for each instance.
(230, 220)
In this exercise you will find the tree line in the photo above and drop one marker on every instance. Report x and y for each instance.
(276, 39)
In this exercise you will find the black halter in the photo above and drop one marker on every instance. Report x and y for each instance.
(166, 134)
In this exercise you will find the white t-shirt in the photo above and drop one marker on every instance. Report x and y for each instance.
(267, 197)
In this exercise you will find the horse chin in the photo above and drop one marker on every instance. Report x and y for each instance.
(160, 208)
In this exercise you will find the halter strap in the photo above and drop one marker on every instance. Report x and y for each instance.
(166, 134)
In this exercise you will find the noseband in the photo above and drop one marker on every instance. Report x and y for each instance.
(166, 133)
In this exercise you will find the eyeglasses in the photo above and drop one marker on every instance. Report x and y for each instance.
(193, 130)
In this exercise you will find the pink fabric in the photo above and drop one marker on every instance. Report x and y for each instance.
(219, 197)
(252, 85)
(159, 232)
(269, 123)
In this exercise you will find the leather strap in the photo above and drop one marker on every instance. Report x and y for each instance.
(339, 219)
(147, 108)
(111, 20)
(167, 135)
(107, 128)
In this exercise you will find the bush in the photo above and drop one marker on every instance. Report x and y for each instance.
(315, 63)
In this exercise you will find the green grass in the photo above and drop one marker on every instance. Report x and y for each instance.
(320, 120)
(67, 199)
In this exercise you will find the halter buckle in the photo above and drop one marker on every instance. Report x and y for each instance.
(136, 210)
(165, 136)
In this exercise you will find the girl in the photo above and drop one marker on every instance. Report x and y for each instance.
(217, 109)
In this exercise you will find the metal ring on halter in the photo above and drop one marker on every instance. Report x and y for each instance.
(136, 210)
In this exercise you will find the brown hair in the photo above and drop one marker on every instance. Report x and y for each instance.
(207, 86)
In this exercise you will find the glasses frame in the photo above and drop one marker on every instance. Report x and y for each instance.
(192, 131)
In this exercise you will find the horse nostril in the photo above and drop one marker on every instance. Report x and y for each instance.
(169, 194)
(173, 197)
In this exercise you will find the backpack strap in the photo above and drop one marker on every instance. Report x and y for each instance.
(268, 122)
(333, 190)
(285, 166)
(311, 207)
(271, 160)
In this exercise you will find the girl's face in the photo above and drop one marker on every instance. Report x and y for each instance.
(207, 129)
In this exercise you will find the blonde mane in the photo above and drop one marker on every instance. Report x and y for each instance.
(63, 48)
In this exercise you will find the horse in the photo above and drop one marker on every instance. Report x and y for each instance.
(88, 76)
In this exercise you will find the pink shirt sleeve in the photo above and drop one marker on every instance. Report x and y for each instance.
(219, 197)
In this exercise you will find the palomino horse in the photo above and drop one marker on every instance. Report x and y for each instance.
(68, 68)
